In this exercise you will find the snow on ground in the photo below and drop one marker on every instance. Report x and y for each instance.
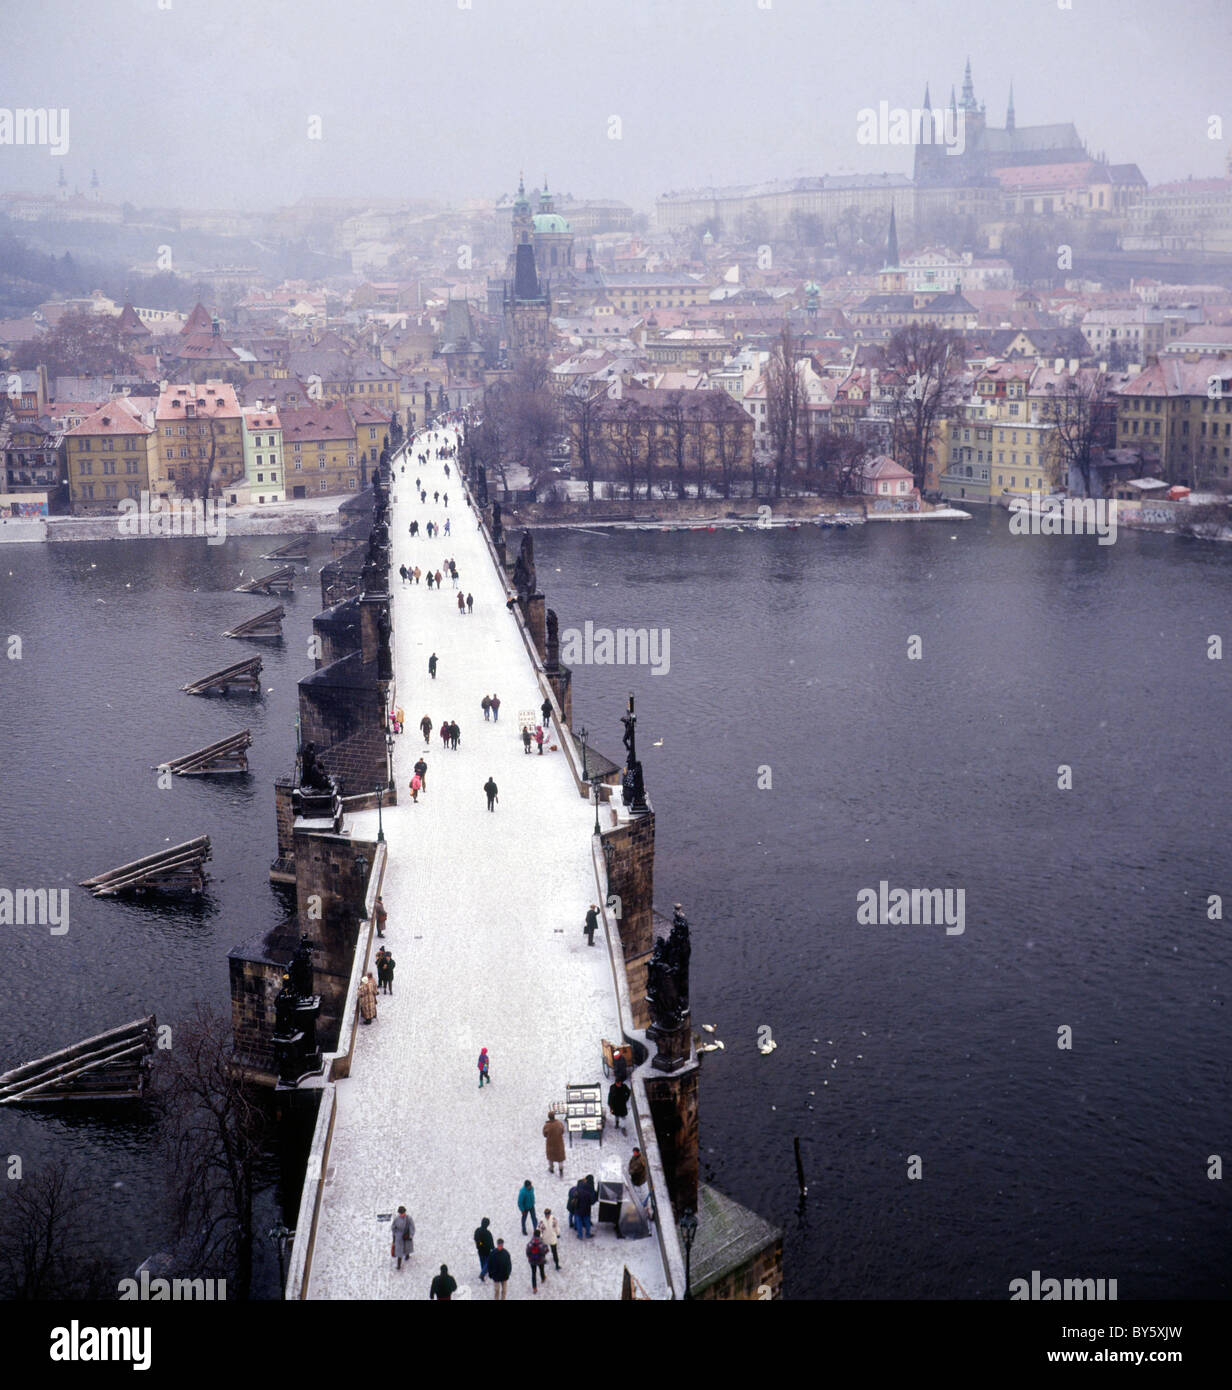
(485, 923)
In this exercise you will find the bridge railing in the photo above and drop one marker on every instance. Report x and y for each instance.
(337, 1065)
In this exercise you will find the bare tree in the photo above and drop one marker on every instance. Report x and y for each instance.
(622, 440)
(582, 404)
(784, 399)
(726, 434)
(216, 1130)
(82, 343)
(1081, 425)
(46, 1246)
(926, 363)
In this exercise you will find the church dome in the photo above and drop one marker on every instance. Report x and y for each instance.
(550, 222)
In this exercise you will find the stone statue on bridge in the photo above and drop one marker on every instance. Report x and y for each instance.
(632, 784)
(524, 578)
(313, 776)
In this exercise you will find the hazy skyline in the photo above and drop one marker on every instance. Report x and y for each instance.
(208, 103)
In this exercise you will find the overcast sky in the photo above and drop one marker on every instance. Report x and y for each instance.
(208, 103)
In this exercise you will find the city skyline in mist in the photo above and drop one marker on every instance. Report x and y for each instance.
(211, 103)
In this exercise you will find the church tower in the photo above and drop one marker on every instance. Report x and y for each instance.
(1009, 110)
(521, 216)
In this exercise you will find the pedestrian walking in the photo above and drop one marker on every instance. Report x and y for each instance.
(500, 1267)
(446, 519)
(429, 579)
(367, 998)
(549, 1232)
(470, 603)
(539, 738)
(447, 475)
(402, 571)
(399, 715)
(384, 975)
(445, 733)
(454, 735)
(483, 1246)
(584, 1201)
(444, 1286)
(432, 665)
(461, 606)
(554, 1142)
(537, 1256)
(436, 497)
(620, 1065)
(525, 738)
(618, 1101)
(416, 785)
(486, 705)
(489, 788)
(403, 1244)
(483, 1067)
(526, 1204)
(546, 710)
(592, 924)
(425, 727)
(447, 522)
(571, 1206)
(495, 707)
(421, 771)
(380, 915)
(438, 579)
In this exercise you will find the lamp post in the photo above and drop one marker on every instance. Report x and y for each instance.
(582, 736)
(596, 783)
(389, 748)
(688, 1233)
(380, 829)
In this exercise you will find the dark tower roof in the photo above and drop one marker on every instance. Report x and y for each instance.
(525, 278)
(892, 241)
(1009, 114)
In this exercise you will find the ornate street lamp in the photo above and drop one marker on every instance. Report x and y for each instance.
(688, 1233)
(596, 782)
(389, 746)
(582, 736)
(380, 829)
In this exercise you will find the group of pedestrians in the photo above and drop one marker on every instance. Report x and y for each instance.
(490, 704)
(450, 733)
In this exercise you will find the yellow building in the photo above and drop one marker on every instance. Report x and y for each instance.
(111, 455)
(200, 439)
(1178, 414)
(1001, 443)
(319, 454)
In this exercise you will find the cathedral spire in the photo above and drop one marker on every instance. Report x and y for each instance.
(928, 106)
(968, 90)
(1009, 114)
(953, 102)
(892, 241)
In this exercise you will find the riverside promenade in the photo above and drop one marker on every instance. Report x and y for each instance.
(485, 914)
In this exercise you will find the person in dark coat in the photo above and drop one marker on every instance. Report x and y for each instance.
(380, 915)
(484, 1246)
(495, 706)
(432, 665)
(500, 1267)
(592, 924)
(421, 771)
(430, 579)
(483, 1068)
(461, 606)
(620, 1066)
(444, 1286)
(454, 734)
(425, 727)
(486, 705)
(554, 1142)
(537, 1256)
(445, 733)
(583, 1202)
(525, 738)
(618, 1101)
(470, 603)
(384, 971)
(526, 1205)
(637, 1169)
(489, 788)
(545, 709)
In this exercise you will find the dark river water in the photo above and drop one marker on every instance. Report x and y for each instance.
(1084, 908)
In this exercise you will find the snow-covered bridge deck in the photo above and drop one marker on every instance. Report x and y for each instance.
(485, 923)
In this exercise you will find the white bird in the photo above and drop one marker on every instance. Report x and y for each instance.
(718, 1042)
(767, 1047)
(658, 743)
(93, 566)
(708, 1027)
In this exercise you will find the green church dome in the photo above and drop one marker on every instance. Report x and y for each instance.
(550, 222)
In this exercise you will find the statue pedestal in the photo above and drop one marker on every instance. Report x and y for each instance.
(673, 1046)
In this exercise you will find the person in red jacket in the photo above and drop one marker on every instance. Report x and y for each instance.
(537, 1255)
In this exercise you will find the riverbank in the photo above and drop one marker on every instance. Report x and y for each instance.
(306, 517)
(714, 515)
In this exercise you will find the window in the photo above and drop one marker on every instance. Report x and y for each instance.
(351, 484)
(86, 466)
(109, 489)
(273, 477)
(130, 465)
(298, 466)
(323, 484)
(109, 465)
(85, 446)
(321, 464)
(260, 477)
(88, 492)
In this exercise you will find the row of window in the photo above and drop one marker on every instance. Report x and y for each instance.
(109, 491)
(86, 466)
